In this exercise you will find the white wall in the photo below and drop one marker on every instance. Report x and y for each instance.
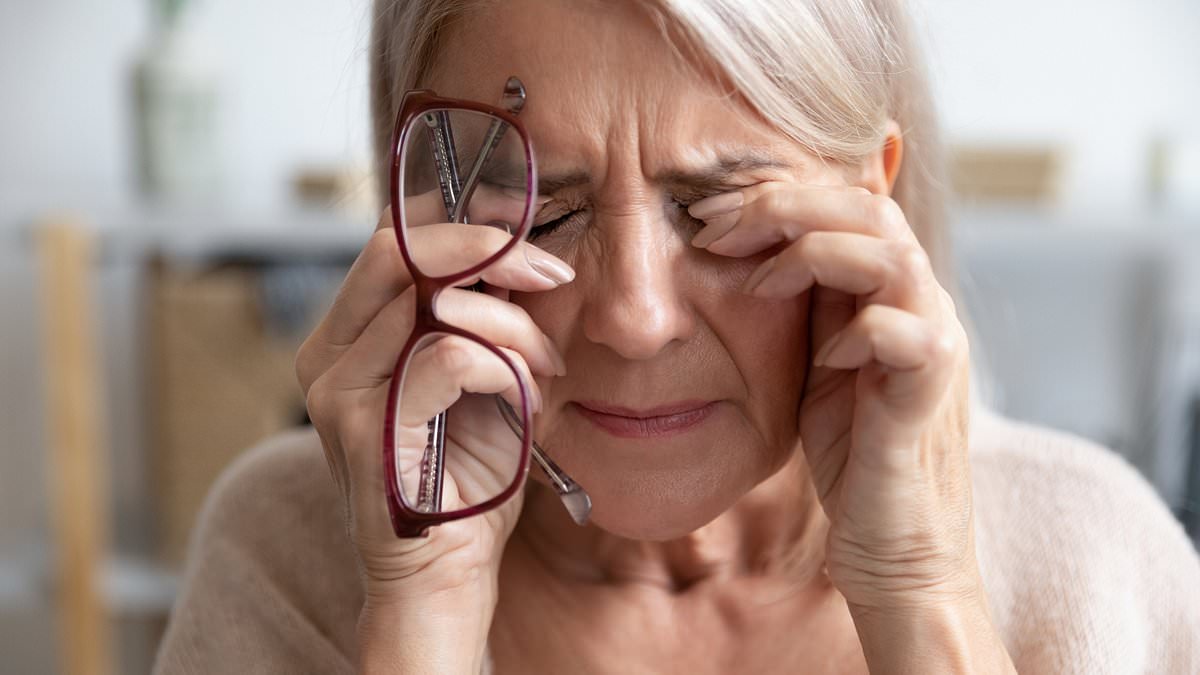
(1101, 77)
(294, 92)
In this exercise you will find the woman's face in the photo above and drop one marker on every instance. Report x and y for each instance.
(649, 320)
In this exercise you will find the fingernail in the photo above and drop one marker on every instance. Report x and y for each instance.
(827, 349)
(761, 273)
(716, 228)
(548, 266)
(716, 205)
(560, 366)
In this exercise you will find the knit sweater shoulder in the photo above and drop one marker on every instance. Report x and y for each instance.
(1085, 568)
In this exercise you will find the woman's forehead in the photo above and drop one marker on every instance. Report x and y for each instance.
(602, 81)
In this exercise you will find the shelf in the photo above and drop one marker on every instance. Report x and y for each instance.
(130, 586)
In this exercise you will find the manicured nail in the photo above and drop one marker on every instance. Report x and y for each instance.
(716, 205)
(827, 349)
(719, 213)
(752, 282)
(715, 229)
(548, 266)
(560, 366)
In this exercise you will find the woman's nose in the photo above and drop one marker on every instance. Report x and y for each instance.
(638, 306)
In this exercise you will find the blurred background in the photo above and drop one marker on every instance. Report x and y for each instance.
(182, 185)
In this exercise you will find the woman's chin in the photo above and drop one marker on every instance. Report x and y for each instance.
(661, 507)
(656, 489)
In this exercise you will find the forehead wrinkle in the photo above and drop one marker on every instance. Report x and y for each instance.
(579, 122)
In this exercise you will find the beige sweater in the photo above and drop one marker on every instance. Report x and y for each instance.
(1086, 570)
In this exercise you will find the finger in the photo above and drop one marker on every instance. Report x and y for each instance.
(775, 212)
(451, 248)
(503, 207)
(438, 373)
(427, 207)
(884, 271)
(914, 356)
(379, 275)
(372, 358)
(326, 408)
(505, 325)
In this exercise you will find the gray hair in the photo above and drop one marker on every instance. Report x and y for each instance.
(827, 74)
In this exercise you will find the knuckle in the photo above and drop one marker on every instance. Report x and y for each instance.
(452, 355)
(887, 214)
(380, 249)
(314, 357)
(320, 402)
(773, 202)
(943, 345)
(949, 305)
(381, 241)
(303, 367)
(910, 261)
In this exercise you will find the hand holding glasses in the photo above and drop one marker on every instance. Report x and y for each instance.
(459, 447)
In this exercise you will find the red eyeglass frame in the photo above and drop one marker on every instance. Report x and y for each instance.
(406, 521)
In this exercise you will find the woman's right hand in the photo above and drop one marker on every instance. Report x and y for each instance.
(345, 367)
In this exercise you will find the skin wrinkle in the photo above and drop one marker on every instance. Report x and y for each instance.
(694, 538)
(652, 319)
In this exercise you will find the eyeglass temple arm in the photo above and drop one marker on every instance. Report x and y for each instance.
(429, 489)
(513, 101)
(456, 196)
(574, 498)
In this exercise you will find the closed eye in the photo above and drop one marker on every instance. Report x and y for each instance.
(568, 218)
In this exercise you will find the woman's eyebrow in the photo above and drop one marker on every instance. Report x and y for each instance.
(721, 173)
(549, 183)
(514, 176)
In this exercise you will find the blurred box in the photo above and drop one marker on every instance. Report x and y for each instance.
(220, 380)
(989, 174)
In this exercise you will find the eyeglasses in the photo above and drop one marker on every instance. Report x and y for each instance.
(457, 445)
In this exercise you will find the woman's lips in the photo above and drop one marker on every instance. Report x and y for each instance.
(656, 422)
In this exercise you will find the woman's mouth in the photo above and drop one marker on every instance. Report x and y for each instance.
(656, 422)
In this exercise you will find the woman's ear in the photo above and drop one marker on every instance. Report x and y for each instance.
(880, 168)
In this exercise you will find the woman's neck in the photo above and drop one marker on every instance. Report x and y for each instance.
(777, 530)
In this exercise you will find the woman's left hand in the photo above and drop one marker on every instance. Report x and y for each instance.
(884, 416)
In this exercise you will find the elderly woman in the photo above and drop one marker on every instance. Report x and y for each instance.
(714, 285)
